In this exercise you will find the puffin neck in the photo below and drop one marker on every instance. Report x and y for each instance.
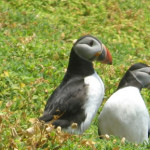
(78, 66)
(129, 80)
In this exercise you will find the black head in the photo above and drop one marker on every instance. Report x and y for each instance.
(137, 75)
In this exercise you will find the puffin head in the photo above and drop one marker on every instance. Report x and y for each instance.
(141, 72)
(90, 48)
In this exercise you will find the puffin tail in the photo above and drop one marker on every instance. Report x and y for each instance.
(46, 118)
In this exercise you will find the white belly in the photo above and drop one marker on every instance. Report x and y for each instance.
(125, 115)
(95, 96)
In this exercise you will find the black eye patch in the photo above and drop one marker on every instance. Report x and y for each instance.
(91, 43)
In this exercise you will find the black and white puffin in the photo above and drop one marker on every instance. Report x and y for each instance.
(77, 99)
(124, 113)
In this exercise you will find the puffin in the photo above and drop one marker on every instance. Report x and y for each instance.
(74, 103)
(125, 114)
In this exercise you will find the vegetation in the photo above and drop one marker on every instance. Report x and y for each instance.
(36, 37)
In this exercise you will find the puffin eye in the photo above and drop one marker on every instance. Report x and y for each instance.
(91, 43)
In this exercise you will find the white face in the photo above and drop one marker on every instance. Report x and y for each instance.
(88, 48)
(142, 76)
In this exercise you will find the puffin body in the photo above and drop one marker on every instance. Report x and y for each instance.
(76, 100)
(94, 94)
(125, 113)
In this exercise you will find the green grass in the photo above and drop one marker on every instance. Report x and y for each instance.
(35, 41)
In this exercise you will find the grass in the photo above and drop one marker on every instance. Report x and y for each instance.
(35, 41)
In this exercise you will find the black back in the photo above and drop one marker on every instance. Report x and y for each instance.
(129, 80)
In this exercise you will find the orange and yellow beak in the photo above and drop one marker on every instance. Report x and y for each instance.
(104, 56)
(108, 58)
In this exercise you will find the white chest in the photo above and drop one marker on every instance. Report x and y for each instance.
(95, 96)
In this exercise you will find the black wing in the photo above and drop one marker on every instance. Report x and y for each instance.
(65, 105)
